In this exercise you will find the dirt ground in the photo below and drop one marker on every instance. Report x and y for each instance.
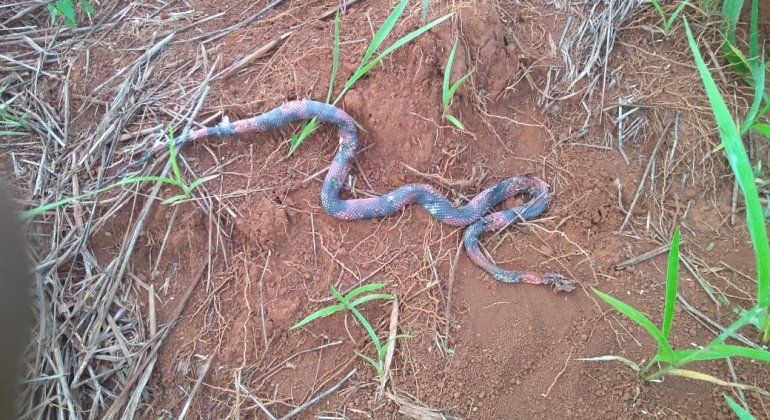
(260, 252)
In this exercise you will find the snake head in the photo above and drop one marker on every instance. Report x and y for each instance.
(560, 283)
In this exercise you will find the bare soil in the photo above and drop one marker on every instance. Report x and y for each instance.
(264, 257)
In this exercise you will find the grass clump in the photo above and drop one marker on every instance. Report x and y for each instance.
(347, 304)
(447, 91)
(368, 61)
(670, 360)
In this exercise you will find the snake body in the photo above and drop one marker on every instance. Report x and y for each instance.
(474, 214)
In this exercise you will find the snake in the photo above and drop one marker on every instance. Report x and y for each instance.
(474, 215)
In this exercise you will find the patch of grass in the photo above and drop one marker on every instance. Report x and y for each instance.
(10, 123)
(672, 359)
(66, 8)
(667, 22)
(447, 91)
(367, 62)
(346, 303)
(176, 180)
(735, 151)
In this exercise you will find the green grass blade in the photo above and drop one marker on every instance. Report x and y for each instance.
(318, 314)
(446, 95)
(201, 181)
(754, 32)
(758, 72)
(368, 329)
(363, 289)
(44, 208)
(455, 121)
(172, 154)
(737, 409)
(343, 301)
(384, 31)
(148, 178)
(368, 298)
(424, 9)
(642, 320)
(175, 198)
(731, 10)
(762, 129)
(377, 365)
(739, 162)
(674, 15)
(412, 35)
(730, 350)
(336, 56)
(457, 83)
(672, 280)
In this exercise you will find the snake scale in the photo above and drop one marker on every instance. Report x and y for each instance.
(473, 215)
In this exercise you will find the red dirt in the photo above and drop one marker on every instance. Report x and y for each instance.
(516, 346)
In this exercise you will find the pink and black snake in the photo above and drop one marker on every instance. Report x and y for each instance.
(471, 214)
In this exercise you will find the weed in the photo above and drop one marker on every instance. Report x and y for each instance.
(10, 123)
(758, 315)
(447, 92)
(66, 8)
(367, 62)
(667, 22)
(176, 180)
(345, 303)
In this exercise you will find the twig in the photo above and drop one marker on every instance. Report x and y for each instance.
(204, 371)
(644, 257)
(391, 343)
(558, 375)
(319, 396)
(257, 402)
(450, 286)
(262, 298)
(644, 177)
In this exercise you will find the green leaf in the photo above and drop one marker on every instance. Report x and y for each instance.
(412, 35)
(447, 95)
(643, 321)
(66, 8)
(343, 301)
(148, 178)
(739, 162)
(368, 298)
(672, 279)
(363, 289)
(201, 181)
(384, 31)
(424, 9)
(377, 365)
(368, 328)
(87, 7)
(454, 121)
(318, 314)
(738, 410)
(763, 129)
(675, 14)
